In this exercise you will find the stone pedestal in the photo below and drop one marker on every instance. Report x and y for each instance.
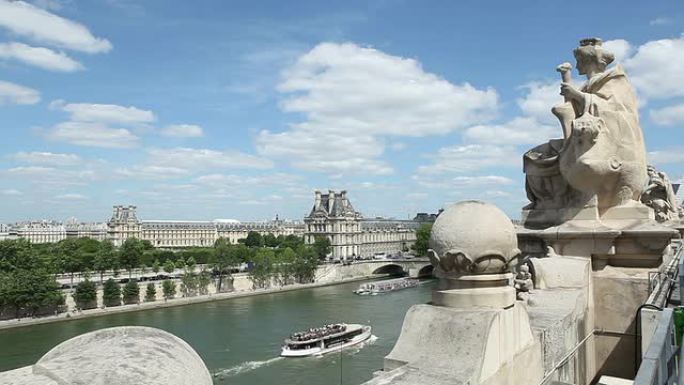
(469, 291)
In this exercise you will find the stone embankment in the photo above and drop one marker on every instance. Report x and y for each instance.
(331, 274)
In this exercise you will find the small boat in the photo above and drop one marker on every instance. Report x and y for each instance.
(379, 287)
(326, 339)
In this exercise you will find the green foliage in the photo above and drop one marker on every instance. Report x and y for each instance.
(131, 292)
(270, 240)
(224, 258)
(85, 295)
(130, 253)
(156, 266)
(180, 263)
(254, 239)
(321, 247)
(27, 286)
(169, 289)
(111, 293)
(262, 269)
(190, 263)
(189, 284)
(169, 267)
(422, 239)
(150, 292)
(203, 281)
(292, 241)
(305, 264)
(105, 258)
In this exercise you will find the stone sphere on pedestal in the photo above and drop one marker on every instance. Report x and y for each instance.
(473, 246)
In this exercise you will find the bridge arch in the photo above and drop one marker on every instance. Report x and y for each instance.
(391, 269)
(426, 271)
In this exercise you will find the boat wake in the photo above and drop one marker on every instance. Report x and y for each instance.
(245, 367)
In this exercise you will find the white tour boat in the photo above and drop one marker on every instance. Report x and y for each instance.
(326, 339)
(379, 287)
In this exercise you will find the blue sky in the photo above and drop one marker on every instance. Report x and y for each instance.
(241, 109)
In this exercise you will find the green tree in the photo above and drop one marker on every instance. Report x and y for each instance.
(262, 269)
(203, 281)
(169, 289)
(321, 247)
(285, 267)
(191, 264)
(68, 257)
(254, 239)
(422, 238)
(305, 264)
(156, 266)
(131, 292)
(292, 241)
(85, 295)
(189, 283)
(169, 267)
(111, 293)
(270, 240)
(224, 258)
(130, 253)
(180, 263)
(150, 293)
(105, 258)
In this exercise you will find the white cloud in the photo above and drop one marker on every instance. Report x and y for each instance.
(104, 113)
(520, 130)
(463, 182)
(670, 155)
(621, 48)
(668, 116)
(42, 26)
(39, 57)
(183, 131)
(538, 100)
(71, 197)
(93, 135)
(660, 21)
(11, 93)
(47, 158)
(472, 157)
(202, 159)
(656, 68)
(232, 180)
(353, 97)
(151, 172)
(337, 152)
(10, 192)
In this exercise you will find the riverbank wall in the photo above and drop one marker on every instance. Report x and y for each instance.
(326, 275)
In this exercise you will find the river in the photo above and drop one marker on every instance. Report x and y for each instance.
(239, 339)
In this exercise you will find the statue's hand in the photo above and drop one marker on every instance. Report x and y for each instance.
(571, 92)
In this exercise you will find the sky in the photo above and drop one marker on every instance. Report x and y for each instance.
(201, 110)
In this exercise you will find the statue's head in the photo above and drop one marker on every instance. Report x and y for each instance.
(590, 54)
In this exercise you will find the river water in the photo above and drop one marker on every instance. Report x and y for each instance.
(239, 339)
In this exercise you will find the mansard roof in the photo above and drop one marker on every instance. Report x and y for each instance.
(332, 204)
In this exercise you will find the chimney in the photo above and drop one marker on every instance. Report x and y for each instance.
(317, 205)
(331, 200)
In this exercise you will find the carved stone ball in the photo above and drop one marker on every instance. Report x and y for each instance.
(473, 237)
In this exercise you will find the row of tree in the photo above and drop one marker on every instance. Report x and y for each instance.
(27, 271)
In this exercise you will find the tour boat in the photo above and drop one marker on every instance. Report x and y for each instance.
(379, 287)
(326, 339)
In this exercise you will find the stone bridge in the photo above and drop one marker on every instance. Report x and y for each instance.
(414, 267)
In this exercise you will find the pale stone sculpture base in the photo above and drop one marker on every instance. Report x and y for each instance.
(471, 291)
(464, 346)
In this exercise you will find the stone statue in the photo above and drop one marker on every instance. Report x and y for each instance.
(523, 282)
(660, 196)
(601, 160)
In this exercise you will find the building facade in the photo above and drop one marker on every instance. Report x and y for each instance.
(350, 235)
(176, 234)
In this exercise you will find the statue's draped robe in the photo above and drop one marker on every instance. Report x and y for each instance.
(608, 96)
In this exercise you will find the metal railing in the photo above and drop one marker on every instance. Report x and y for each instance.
(659, 364)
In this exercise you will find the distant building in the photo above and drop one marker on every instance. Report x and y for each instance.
(427, 218)
(174, 234)
(333, 216)
(38, 231)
